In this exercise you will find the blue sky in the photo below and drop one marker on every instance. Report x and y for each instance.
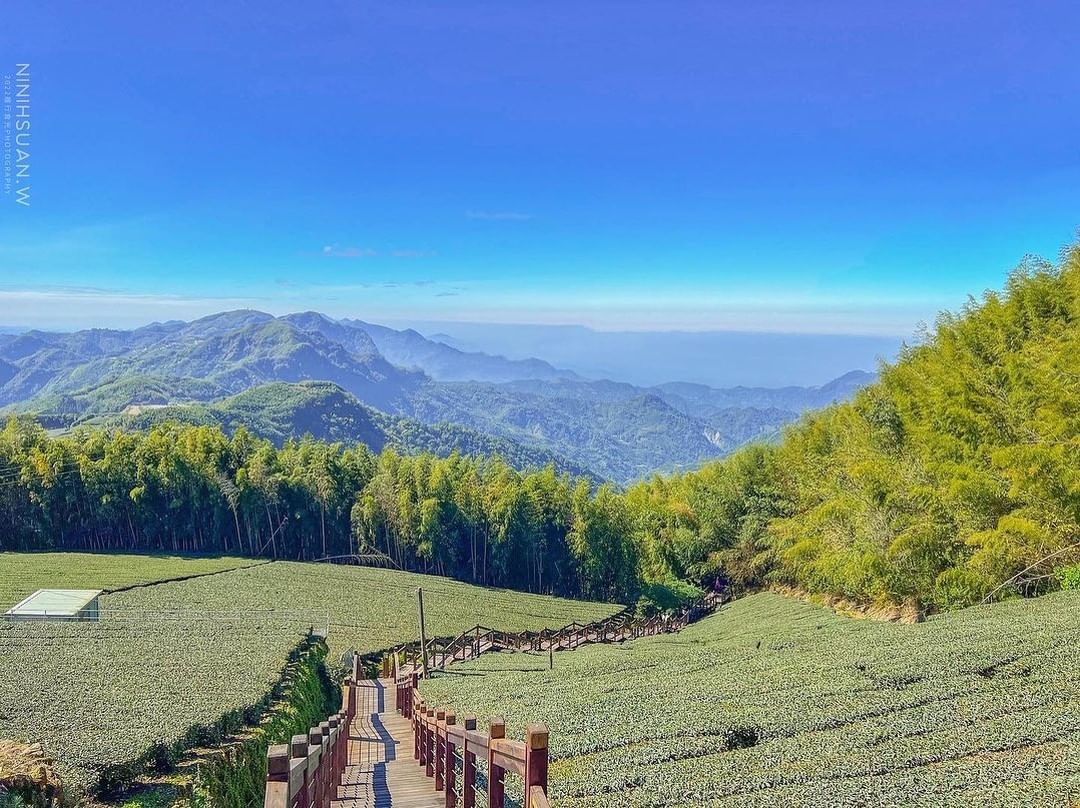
(822, 167)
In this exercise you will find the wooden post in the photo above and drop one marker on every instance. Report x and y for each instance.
(298, 750)
(325, 764)
(418, 737)
(440, 750)
(423, 633)
(315, 767)
(536, 757)
(449, 765)
(385, 667)
(344, 728)
(277, 777)
(339, 743)
(429, 742)
(468, 774)
(551, 658)
(496, 774)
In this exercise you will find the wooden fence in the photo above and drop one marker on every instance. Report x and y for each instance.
(438, 738)
(306, 772)
(479, 639)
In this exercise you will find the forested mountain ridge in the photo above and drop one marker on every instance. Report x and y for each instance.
(615, 431)
(279, 412)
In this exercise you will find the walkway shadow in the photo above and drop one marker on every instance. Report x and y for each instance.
(379, 788)
(381, 691)
(388, 741)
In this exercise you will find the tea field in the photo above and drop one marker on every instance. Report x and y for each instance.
(22, 574)
(369, 609)
(777, 702)
(99, 695)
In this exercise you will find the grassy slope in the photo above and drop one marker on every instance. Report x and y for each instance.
(21, 574)
(980, 707)
(370, 609)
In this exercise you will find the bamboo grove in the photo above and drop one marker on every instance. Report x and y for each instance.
(954, 477)
(177, 488)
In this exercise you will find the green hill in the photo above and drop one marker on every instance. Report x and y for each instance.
(102, 696)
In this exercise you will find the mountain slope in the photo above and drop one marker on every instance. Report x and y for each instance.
(620, 439)
(279, 411)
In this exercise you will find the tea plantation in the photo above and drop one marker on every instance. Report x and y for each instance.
(23, 573)
(101, 695)
(369, 609)
(776, 702)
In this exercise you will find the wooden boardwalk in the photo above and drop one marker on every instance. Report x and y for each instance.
(381, 771)
(365, 755)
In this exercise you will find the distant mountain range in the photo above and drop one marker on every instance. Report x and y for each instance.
(354, 381)
(647, 358)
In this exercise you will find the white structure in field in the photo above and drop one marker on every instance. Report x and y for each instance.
(57, 604)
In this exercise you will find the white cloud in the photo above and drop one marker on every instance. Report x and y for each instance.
(334, 251)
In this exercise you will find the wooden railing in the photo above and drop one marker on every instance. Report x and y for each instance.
(438, 738)
(479, 639)
(306, 772)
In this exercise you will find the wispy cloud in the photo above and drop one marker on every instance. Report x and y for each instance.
(447, 294)
(68, 307)
(334, 251)
(498, 215)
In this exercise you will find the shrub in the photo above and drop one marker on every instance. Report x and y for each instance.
(1069, 577)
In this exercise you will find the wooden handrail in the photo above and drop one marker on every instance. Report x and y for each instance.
(437, 737)
(306, 772)
(616, 628)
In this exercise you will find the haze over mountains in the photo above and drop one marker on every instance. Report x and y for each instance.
(647, 358)
(355, 381)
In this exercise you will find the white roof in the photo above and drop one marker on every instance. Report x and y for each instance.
(54, 602)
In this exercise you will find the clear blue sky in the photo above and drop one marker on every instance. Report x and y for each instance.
(829, 167)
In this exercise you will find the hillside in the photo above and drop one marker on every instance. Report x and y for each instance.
(775, 702)
(951, 479)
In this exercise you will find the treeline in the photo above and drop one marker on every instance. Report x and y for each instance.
(184, 488)
(956, 476)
